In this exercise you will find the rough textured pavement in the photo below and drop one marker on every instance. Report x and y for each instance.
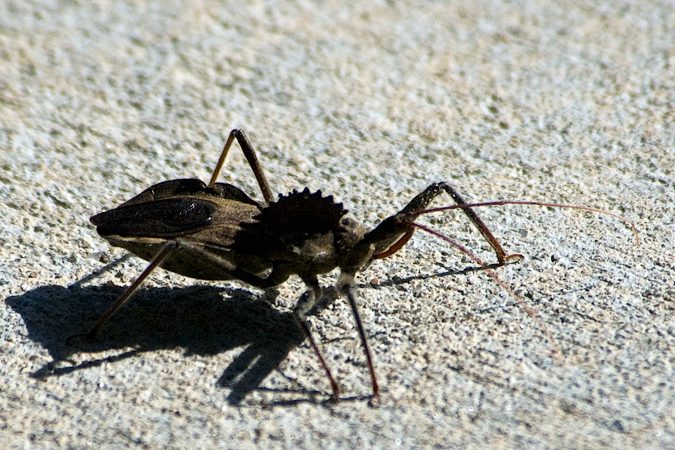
(568, 102)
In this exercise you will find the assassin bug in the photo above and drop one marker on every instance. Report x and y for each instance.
(217, 232)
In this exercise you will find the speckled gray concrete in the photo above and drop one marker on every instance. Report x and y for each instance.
(555, 101)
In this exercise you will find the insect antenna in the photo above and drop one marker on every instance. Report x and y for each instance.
(528, 309)
(522, 202)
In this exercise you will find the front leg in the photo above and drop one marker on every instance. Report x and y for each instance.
(423, 200)
(392, 234)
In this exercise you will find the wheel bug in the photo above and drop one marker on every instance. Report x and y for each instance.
(217, 232)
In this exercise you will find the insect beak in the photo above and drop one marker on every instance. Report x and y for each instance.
(390, 235)
(96, 219)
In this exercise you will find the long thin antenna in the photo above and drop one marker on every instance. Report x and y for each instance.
(519, 202)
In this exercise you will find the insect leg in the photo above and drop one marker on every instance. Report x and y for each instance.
(305, 304)
(161, 256)
(502, 257)
(421, 201)
(252, 159)
(275, 278)
(346, 286)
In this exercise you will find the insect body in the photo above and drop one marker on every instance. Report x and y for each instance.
(217, 232)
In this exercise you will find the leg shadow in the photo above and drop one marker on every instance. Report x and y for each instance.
(204, 320)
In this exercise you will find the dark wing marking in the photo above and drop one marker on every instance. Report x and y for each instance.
(165, 219)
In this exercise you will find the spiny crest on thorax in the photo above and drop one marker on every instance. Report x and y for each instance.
(297, 215)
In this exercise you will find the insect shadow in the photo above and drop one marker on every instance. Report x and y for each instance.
(196, 319)
(203, 320)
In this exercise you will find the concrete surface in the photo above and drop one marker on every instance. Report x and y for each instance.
(567, 102)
